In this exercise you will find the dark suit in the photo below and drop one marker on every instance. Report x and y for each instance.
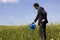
(42, 14)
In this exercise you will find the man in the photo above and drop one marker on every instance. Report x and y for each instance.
(42, 20)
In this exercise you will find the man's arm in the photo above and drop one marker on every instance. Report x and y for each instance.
(45, 17)
(37, 17)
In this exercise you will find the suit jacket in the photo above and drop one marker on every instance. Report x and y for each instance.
(42, 14)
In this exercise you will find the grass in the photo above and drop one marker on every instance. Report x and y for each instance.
(23, 33)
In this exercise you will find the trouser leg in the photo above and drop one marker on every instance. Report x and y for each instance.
(42, 31)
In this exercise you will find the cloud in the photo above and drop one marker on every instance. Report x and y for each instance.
(9, 1)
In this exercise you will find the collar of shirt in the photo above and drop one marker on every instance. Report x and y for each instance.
(39, 7)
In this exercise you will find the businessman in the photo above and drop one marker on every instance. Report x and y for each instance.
(42, 20)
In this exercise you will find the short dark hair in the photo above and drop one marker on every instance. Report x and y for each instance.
(35, 4)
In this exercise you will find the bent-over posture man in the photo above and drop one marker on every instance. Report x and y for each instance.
(42, 20)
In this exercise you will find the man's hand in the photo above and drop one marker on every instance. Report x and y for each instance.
(33, 22)
(43, 20)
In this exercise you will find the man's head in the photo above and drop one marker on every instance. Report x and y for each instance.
(36, 5)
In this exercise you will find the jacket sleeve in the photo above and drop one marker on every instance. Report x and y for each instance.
(45, 16)
(37, 17)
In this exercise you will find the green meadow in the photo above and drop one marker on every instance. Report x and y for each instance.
(23, 33)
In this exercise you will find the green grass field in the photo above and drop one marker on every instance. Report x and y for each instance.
(23, 33)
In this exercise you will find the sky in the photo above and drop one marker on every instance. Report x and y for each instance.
(22, 12)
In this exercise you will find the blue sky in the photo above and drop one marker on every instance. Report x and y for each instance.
(22, 12)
